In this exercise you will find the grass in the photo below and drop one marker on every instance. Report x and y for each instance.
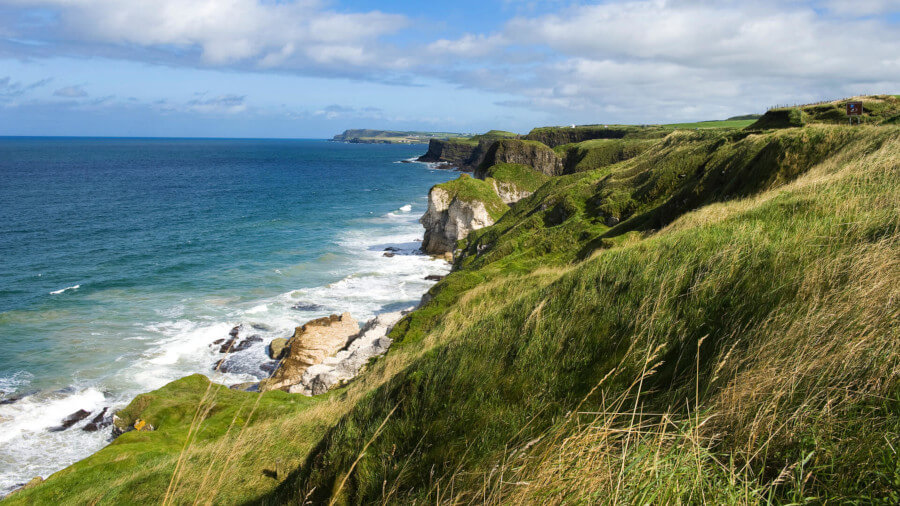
(680, 345)
(521, 176)
(600, 153)
(468, 189)
(732, 123)
(730, 339)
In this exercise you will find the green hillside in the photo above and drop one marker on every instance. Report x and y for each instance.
(685, 316)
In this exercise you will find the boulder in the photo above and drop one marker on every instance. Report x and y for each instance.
(346, 364)
(246, 343)
(277, 348)
(71, 420)
(310, 345)
(307, 306)
(98, 422)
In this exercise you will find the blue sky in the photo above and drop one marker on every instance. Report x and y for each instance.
(312, 68)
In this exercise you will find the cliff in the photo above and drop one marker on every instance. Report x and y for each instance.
(369, 136)
(513, 182)
(463, 154)
(455, 209)
(710, 319)
(523, 152)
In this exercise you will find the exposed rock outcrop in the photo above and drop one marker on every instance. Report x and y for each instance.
(557, 136)
(370, 342)
(310, 345)
(449, 219)
(531, 153)
(509, 193)
(461, 154)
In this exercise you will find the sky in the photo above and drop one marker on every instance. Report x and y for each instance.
(312, 68)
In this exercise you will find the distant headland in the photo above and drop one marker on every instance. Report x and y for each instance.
(368, 136)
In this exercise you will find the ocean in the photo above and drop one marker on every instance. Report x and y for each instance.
(122, 260)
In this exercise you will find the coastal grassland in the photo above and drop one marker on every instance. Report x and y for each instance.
(744, 352)
(521, 176)
(725, 123)
(877, 109)
(598, 153)
(468, 189)
(712, 319)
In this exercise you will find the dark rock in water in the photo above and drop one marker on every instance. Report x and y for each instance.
(434, 277)
(269, 367)
(225, 348)
(220, 366)
(98, 422)
(71, 420)
(218, 341)
(391, 248)
(234, 331)
(12, 399)
(307, 306)
(246, 343)
(250, 386)
(388, 254)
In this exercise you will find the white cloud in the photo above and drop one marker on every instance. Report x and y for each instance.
(230, 31)
(641, 60)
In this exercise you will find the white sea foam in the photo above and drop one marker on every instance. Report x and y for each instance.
(13, 382)
(30, 449)
(366, 283)
(57, 292)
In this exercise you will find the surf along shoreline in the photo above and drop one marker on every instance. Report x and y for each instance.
(241, 354)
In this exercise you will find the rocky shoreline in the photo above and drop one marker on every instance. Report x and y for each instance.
(322, 354)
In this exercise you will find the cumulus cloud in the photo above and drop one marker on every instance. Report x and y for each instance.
(229, 31)
(640, 59)
(71, 92)
(619, 60)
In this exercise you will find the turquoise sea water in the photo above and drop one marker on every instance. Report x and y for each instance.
(121, 260)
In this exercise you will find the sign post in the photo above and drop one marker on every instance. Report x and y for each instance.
(855, 109)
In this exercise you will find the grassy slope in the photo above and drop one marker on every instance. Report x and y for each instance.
(728, 123)
(522, 176)
(596, 153)
(768, 283)
(469, 189)
(785, 269)
(877, 109)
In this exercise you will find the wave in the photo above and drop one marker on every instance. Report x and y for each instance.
(364, 282)
(57, 292)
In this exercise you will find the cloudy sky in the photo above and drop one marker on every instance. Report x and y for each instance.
(311, 68)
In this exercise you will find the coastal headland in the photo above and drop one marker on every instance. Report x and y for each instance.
(659, 314)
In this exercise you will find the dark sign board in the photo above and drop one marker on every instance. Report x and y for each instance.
(854, 109)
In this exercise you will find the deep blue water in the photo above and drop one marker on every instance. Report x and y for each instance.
(171, 242)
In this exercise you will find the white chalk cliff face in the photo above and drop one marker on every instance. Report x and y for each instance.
(509, 193)
(449, 219)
